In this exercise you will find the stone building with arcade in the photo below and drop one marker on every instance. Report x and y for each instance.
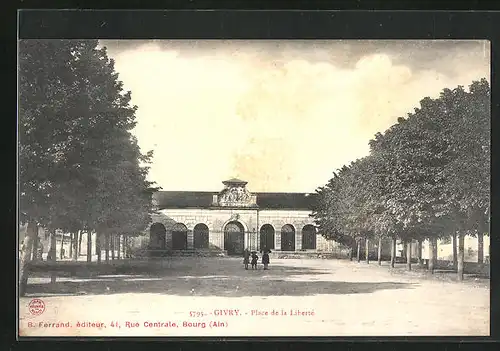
(234, 219)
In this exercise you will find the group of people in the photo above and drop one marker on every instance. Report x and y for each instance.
(252, 258)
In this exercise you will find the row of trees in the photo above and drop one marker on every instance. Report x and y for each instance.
(80, 168)
(426, 177)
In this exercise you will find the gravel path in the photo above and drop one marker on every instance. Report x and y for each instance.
(217, 297)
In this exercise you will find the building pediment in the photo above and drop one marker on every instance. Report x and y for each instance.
(235, 194)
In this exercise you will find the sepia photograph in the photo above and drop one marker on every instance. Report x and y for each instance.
(253, 188)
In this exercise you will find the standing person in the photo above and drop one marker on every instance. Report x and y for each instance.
(246, 258)
(255, 258)
(265, 259)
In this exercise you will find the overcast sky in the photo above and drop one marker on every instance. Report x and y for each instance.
(282, 115)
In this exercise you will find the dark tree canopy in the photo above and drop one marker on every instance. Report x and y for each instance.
(80, 166)
(427, 176)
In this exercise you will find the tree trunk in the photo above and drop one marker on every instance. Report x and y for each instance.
(454, 249)
(106, 246)
(480, 247)
(75, 245)
(408, 255)
(26, 252)
(124, 246)
(89, 246)
(460, 263)
(34, 247)
(61, 250)
(379, 252)
(432, 255)
(113, 242)
(53, 254)
(419, 253)
(359, 251)
(393, 252)
(71, 245)
(80, 244)
(436, 256)
(98, 238)
(127, 252)
(367, 250)
(118, 247)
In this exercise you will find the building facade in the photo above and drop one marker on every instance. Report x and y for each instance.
(234, 219)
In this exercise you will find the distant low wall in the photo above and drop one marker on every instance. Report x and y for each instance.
(482, 269)
(335, 253)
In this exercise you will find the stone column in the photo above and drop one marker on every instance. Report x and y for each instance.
(257, 238)
(168, 239)
(277, 239)
(219, 238)
(190, 239)
(298, 237)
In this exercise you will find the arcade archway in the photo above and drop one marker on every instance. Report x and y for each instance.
(267, 237)
(234, 238)
(157, 236)
(287, 238)
(179, 236)
(200, 236)
(309, 237)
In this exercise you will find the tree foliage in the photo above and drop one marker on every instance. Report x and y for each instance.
(425, 177)
(80, 166)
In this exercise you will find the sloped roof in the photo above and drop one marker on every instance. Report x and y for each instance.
(203, 199)
(184, 199)
(285, 200)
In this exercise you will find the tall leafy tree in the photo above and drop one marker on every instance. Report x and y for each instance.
(415, 153)
(80, 167)
(44, 90)
(467, 125)
(426, 177)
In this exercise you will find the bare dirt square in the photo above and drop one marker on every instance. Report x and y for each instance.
(218, 297)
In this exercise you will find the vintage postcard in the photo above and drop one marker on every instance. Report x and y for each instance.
(254, 188)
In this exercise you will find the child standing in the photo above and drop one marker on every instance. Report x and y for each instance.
(255, 258)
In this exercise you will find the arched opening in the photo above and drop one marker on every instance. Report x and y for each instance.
(234, 238)
(309, 237)
(267, 237)
(157, 236)
(179, 236)
(287, 238)
(200, 236)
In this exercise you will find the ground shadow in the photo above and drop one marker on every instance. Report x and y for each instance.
(194, 277)
(167, 269)
(262, 285)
